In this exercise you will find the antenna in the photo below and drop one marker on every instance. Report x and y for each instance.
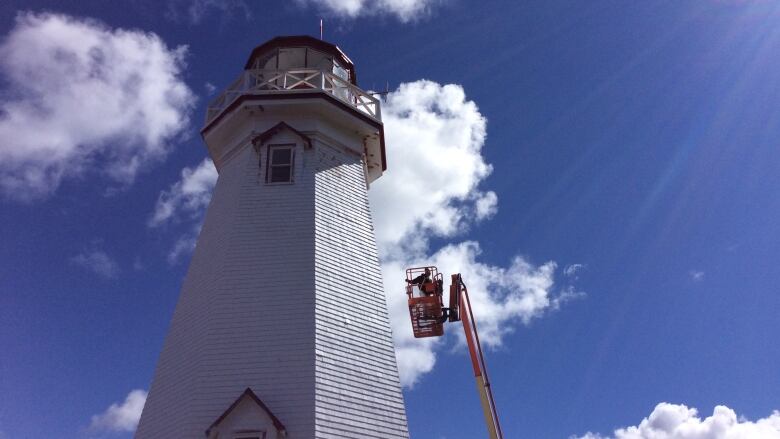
(320, 29)
(382, 93)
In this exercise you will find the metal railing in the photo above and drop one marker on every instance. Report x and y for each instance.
(272, 81)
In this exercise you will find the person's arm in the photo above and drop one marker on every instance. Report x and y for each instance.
(417, 280)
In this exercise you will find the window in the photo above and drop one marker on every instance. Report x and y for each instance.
(279, 167)
(318, 60)
(340, 71)
(292, 58)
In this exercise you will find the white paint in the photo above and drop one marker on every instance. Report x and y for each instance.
(283, 294)
(247, 419)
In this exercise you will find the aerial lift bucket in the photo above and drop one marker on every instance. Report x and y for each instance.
(426, 309)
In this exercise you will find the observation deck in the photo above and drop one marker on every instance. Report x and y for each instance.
(297, 65)
(292, 81)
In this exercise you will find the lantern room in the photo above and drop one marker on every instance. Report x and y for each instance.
(301, 52)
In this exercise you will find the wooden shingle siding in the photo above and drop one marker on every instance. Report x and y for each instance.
(284, 296)
(358, 391)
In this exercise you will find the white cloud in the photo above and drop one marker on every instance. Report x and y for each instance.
(696, 275)
(677, 421)
(121, 417)
(81, 97)
(502, 298)
(97, 261)
(184, 245)
(431, 189)
(186, 200)
(434, 139)
(571, 270)
(405, 10)
(193, 11)
(188, 196)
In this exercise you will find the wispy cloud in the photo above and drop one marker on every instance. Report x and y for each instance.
(571, 270)
(98, 262)
(183, 246)
(696, 275)
(185, 201)
(677, 421)
(187, 197)
(85, 98)
(194, 11)
(404, 10)
(120, 417)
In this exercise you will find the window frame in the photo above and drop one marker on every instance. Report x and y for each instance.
(269, 165)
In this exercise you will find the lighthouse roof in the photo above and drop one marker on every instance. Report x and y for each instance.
(303, 41)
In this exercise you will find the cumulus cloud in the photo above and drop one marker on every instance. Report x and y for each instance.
(120, 417)
(432, 189)
(98, 262)
(80, 96)
(677, 421)
(502, 298)
(405, 10)
(434, 138)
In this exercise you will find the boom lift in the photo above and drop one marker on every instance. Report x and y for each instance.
(429, 314)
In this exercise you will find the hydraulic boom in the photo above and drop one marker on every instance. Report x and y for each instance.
(428, 315)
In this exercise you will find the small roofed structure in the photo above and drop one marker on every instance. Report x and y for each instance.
(247, 418)
(268, 134)
(300, 79)
(299, 52)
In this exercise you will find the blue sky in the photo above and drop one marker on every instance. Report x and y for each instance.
(634, 144)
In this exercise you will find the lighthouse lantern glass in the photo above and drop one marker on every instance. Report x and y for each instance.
(291, 58)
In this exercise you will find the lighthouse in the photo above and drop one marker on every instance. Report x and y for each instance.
(281, 329)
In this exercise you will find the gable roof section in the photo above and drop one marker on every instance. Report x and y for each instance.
(265, 136)
(248, 393)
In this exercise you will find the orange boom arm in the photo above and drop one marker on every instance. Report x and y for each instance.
(428, 315)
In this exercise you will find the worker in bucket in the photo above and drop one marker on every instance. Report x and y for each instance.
(422, 280)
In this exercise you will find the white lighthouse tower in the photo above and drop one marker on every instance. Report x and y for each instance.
(281, 329)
